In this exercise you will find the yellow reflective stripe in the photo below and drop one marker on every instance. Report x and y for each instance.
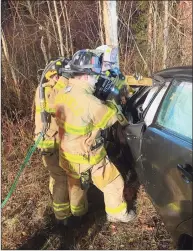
(77, 208)
(61, 204)
(116, 210)
(77, 130)
(93, 160)
(174, 207)
(105, 118)
(61, 209)
(59, 85)
(39, 109)
(48, 144)
(82, 130)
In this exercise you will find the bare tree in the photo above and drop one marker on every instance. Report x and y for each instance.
(126, 44)
(53, 25)
(59, 28)
(30, 8)
(165, 33)
(65, 23)
(43, 48)
(149, 33)
(6, 53)
(101, 22)
(110, 22)
(69, 28)
(155, 4)
(49, 38)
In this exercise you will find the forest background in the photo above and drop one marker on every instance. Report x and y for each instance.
(152, 35)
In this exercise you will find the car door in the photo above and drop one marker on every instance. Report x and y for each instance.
(134, 132)
(166, 154)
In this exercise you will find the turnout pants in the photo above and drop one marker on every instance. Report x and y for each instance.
(68, 197)
(105, 177)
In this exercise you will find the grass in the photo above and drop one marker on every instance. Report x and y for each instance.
(27, 219)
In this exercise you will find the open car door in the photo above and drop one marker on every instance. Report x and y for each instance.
(162, 150)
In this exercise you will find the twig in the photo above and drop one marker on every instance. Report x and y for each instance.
(145, 63)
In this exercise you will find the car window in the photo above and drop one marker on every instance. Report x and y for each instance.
(149, 116)
(149, 96)
(176, 110)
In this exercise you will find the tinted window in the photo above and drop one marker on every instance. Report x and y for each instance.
(176, 110)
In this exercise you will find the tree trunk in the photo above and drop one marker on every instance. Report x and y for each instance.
(69, 28)
(165, 34)
(154, 35)
(59, 29)
(43, 48)
(126, 45)
(6, 53)
(110, 23)
(65, 22)
(101, 22)
(150, 42)
(54, 28)
(49, 39)
(30, 9)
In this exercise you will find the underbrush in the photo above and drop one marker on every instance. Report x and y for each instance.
(24, 212)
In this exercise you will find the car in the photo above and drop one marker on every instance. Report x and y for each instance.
(159, 141)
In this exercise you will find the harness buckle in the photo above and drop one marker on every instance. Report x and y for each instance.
(85, 180)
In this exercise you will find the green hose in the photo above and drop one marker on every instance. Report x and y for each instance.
(26, 160)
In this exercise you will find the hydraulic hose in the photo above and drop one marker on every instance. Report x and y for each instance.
(26, 160)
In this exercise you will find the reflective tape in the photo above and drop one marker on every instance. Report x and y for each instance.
(80, 159)
(60, 85)
(110, 113)
(49, 110)
(77, 130)
(174, 207)
(48, 144)
(77, 208)
(61, 209)
(83, 130)
(61, 206)
(116, 210)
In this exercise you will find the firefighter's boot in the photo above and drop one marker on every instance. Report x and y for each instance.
(127, 217)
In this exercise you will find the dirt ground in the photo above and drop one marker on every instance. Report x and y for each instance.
(28, 223)
(146, 232)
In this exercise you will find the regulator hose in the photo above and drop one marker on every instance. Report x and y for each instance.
(26, 160)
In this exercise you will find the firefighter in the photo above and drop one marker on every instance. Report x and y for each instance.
(81, 117)
(49, 145)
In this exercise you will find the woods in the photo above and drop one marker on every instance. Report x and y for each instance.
(152, 35)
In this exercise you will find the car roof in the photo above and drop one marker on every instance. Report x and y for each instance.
(175, 71)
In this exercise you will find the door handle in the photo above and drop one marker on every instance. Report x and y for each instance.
(186, 171)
